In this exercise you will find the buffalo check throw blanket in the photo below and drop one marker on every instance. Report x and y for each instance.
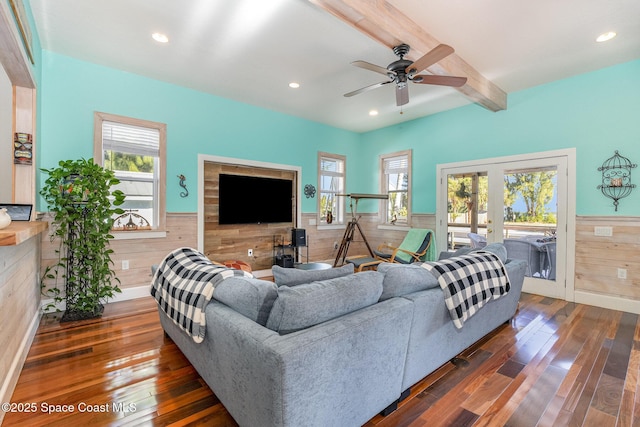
(469, 281)
(184, 284)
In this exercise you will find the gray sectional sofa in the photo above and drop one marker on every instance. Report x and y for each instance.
(330, 348)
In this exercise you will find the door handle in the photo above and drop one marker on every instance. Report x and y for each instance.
(489, 230)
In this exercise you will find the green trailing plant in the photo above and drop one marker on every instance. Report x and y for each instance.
(79, 194)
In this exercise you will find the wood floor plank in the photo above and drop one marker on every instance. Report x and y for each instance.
(555, 364)
(538, 397)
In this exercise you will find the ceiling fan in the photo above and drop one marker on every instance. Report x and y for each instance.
(403, 70)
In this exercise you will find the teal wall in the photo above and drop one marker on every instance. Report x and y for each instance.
(197, 123)
(596, 113)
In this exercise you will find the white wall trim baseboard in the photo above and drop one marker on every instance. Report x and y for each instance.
(10, 381)
(126, 294)
(607, 301)
(132, 293)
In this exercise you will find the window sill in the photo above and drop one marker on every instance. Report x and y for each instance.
(331, 227)
(130, 235)
(402, 227)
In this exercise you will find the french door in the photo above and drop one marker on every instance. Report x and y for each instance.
(520, 201)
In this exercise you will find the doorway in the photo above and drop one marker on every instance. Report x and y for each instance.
(526, 202)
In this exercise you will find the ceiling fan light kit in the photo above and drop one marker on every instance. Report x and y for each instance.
(403, 70)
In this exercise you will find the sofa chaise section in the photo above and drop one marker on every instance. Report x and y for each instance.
(434, 339)
(338, 373)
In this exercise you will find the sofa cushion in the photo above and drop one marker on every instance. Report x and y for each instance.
(294, 276)
(253, 298)
(309, 304)
(402, 279)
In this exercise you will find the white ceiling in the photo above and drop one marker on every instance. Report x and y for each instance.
(249, 50)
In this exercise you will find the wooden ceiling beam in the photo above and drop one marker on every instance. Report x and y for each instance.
(384, 23)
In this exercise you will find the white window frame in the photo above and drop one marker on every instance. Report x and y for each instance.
(384, 185)
(159, 181)
(338, 217)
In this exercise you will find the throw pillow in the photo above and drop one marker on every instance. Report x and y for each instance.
(402, 279)
(293, 276)
(306, 305)
(253, 298)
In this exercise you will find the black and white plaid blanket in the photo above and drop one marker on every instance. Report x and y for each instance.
(183, 285)
(469, 281)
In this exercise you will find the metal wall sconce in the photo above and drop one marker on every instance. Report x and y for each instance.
(616, 178)
(184, 193)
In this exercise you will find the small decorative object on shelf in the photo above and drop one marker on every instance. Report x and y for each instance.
(130, 221)
(182, 179)
(329, 217)
(616, 178)
(309, 191)
(5, 219)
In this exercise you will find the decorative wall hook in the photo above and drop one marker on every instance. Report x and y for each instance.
(616, 178)
(184, 193)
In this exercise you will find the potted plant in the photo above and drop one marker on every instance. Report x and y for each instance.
(80, 196)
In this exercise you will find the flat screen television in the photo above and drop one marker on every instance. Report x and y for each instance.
(254, 200)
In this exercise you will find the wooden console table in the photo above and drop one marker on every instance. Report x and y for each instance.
(21, 231)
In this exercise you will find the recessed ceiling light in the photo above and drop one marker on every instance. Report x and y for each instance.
(605, 36)
(160, 38)
(294, 85)
(373, 112)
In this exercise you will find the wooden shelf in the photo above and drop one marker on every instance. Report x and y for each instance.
(21, 231)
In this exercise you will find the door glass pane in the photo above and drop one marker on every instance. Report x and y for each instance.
(530, 219)
(467, 209)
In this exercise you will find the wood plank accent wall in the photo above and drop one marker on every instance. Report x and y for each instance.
(141, 253)
(598, 258)
(19, 309)
(231, 242)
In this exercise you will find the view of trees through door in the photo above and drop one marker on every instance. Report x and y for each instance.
(529, 214)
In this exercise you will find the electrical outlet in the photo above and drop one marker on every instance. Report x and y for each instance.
(249, 252)
(622, 273)
(125, 264)
(603, 231)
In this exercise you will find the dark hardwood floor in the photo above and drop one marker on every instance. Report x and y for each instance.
(556, 364)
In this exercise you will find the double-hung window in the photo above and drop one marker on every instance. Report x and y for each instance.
(396, 182)
(331, 183)
(135, 150)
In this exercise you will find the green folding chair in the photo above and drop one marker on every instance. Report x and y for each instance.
(413, 248)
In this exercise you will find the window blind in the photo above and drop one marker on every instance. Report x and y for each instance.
(130, 139)
(331, 165)
(396, 164)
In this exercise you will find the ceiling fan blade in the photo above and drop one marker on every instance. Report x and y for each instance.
(367, 88)
(429, 79)
(402, 95)
(372, 67)
(434, 55)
